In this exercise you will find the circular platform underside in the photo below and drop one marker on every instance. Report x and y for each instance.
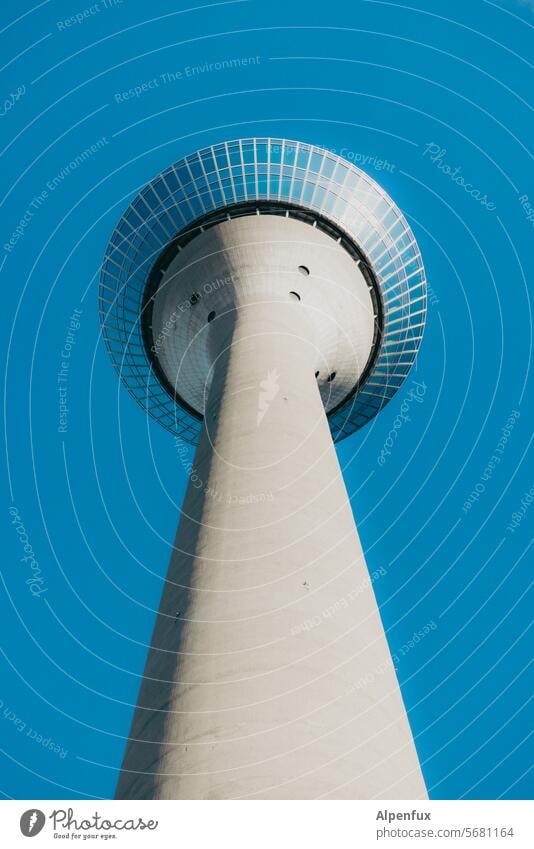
(251, 262)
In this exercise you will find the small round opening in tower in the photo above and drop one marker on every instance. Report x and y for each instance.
(211, 315)
(304, 270)
(294, 296)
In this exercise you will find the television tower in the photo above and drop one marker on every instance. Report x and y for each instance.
(265, 298)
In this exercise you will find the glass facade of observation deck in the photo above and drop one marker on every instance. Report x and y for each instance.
(275, 170)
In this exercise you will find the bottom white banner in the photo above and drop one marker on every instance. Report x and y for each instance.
(268, 824)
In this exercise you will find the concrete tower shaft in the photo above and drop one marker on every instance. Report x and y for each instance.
(269, 675)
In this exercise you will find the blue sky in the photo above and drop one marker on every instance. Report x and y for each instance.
(437, 90)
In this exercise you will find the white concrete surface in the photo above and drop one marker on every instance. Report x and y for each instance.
(257, 258)
(269, 674)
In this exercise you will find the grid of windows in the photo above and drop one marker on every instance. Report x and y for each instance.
(263, 169)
